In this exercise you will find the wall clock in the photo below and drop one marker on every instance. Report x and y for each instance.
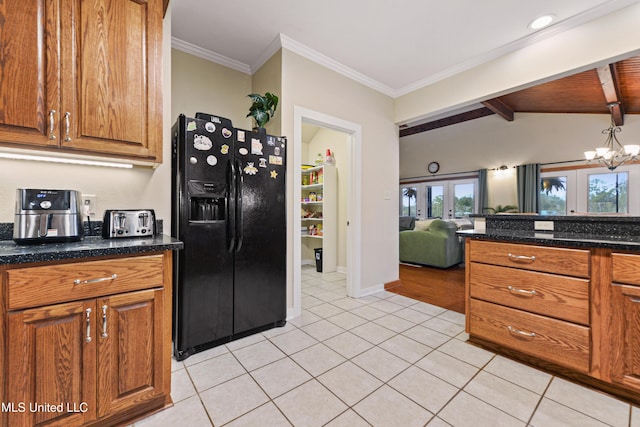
(433, 167)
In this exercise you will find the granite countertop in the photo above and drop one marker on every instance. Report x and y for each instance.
(577, 239)
(91, 246)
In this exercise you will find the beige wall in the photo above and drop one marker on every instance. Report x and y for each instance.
(199, 85)
(309, 85)
(269, 79)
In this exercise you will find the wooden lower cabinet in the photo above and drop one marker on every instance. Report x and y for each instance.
(583, 323)
(624, 333)
(50, 363)
(130, 350)
(97, 361)
(557, 341)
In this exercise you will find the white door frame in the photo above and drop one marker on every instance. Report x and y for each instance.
(300, 115)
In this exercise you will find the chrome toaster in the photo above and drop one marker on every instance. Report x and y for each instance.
(128, 223)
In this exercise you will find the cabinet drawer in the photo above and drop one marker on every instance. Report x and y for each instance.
(562, 297)
(572, 262)
(553, 340)
(626, 268)
(50, 284)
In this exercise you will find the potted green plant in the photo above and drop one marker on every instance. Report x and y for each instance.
(263, 108)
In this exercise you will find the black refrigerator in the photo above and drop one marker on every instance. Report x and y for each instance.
(229, 210)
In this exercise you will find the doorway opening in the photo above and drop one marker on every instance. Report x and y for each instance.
(348, 135)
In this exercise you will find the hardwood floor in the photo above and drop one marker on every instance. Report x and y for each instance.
(437, 286)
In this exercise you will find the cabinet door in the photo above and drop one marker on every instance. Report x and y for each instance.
(625, 335)
(130, 356)
(51, 362)
(29, 64)
(111, 91)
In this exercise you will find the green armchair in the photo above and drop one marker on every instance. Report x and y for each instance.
(437, 246)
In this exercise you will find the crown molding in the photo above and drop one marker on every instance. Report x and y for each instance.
(194, 50)
(317, 57)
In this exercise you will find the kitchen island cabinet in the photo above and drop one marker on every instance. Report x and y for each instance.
(82, 77)
(568, 302)
(86, 341)
(624, 335)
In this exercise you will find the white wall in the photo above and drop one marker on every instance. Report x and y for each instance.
(309, 85)
(491, 141)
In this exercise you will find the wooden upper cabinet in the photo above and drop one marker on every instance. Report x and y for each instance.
(84, 76)
(29, 71)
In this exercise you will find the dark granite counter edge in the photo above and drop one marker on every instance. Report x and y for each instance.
(10, 253)
(626, 243)
(93, 228)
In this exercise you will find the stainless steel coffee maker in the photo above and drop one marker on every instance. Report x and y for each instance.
(47, 216)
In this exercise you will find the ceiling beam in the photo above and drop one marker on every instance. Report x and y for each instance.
(447, 121)
(500, 108)
(609, 82)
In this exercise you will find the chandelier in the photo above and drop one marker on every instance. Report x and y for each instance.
(613, 154)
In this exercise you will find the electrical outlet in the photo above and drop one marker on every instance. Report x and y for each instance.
(89, 204)
(543, 225)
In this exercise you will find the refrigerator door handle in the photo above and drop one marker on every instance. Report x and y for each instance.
(231, 235)
(239, 214)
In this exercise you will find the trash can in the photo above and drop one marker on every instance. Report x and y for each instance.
(318, 259)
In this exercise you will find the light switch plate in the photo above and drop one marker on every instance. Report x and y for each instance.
(543, 225)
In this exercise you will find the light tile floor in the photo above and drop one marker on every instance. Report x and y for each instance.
(383, 360)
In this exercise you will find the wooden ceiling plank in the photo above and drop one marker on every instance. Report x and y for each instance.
(447, 121)
(609, 82)
(500, 108)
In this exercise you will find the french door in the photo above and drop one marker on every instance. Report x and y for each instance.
(439, 199)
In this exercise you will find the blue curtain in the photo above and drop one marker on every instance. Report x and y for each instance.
(528, 187)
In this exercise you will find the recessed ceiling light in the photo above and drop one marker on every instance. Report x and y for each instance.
(541, 22)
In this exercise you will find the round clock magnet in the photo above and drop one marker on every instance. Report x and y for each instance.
(433, 167)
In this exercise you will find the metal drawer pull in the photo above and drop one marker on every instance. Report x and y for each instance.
(521, 258)
(104, 321)
(52, 125)
(88, 337)
(67, 138)
(522, 292)
(101, 279)
(519, 332)
(635, 299)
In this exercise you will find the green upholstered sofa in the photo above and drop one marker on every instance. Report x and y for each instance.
(434, 243)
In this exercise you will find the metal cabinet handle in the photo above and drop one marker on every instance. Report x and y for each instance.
(522, 333)
(522, 292)
(67, 124)
(104, 321)
(88, 322)
(101, 279)
(52, 124)
(635, 300)
(521, 258)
